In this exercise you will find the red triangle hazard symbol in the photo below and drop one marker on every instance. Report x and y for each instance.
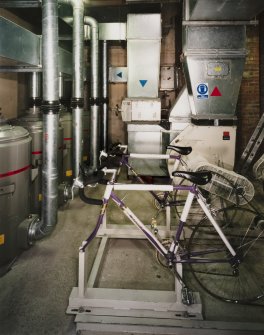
(216, 92)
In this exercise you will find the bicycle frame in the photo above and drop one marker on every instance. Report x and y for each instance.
(124, 162)
(171, 253)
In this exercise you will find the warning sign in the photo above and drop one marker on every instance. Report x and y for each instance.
(216, 92)
(202, 90)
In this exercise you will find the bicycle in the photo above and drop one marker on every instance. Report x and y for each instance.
(117, 157)
(217, 249)
(120, 157)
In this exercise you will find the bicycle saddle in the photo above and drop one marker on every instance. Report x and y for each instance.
(180, 150)
(198, 178)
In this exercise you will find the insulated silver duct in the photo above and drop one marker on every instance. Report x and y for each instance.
(94, 100)
(50, 108)
(78, 84)
(105, 96)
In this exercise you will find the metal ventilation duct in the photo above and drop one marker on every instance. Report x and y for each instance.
(214, 58)
(222, 10)
(148, 1)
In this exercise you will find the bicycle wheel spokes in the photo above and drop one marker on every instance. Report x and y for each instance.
(238, 282)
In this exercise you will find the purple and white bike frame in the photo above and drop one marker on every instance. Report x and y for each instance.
(192, 193)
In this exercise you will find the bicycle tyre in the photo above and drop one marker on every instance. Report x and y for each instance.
(247, 238)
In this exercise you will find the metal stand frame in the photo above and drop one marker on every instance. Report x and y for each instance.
(106, 307)
(112, 311)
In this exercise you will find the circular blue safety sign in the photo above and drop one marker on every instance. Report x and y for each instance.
(202, 89)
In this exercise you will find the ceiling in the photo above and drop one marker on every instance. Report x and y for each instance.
(117, 10)
(102, 10)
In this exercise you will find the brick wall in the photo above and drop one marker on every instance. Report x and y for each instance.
(248, 108)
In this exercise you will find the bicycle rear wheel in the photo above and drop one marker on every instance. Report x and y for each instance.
(246, 235)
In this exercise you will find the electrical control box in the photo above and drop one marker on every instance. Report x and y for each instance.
(141, 110)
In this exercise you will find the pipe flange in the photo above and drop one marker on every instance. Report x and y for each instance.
(35, 102)
(50, 107)
(77, 102)
(64, 194)
(24, 231)
(95, 101)
(105, 100)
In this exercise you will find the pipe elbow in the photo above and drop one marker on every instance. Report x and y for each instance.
(39, 230)
(73, 3)
(88, 20)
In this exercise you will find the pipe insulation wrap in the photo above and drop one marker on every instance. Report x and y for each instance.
(95, 133)
(105, 96)
(77, 118)
(50, 172)
(78, 80)
(35, 85)
(61, 86)
(95, 109)
(78, 84)
(78, 51)
(50, 50)
(94, 55)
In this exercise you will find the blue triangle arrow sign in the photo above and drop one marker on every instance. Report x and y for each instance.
(119, 75)
(143, 82)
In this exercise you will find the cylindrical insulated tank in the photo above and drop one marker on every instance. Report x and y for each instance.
(15, 164)
(32, 121)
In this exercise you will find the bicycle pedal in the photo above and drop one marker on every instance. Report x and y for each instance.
(187, 296)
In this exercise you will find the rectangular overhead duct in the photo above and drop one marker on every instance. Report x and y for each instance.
(20, 49)
(19, 44)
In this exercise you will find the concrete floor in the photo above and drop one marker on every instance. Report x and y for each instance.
(34, 294)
